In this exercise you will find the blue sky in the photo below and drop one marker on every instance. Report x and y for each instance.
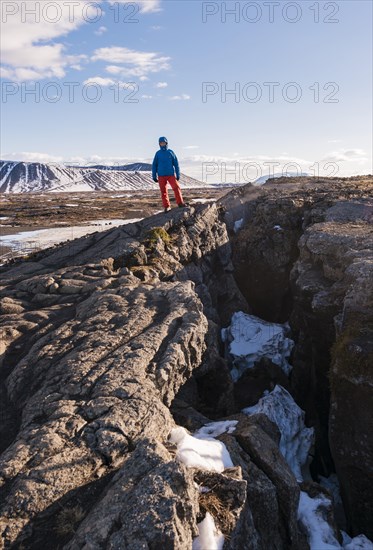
(317, 55)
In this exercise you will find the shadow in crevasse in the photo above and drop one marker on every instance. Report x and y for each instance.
(224, 289)
(52, 528)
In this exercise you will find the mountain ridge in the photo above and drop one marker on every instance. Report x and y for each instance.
(26, 177)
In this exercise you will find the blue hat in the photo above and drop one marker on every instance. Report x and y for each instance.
(162, 138)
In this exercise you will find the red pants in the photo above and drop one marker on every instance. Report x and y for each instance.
(164, 192)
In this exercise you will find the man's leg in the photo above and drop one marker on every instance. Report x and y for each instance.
(162, 180)
(176, 189)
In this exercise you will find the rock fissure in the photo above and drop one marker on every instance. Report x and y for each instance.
(99, 391)
(327, 278)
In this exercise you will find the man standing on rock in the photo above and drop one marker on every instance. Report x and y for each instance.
(165, 164)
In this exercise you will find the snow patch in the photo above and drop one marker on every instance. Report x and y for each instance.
(296, 439)
(238, 225)
(26, 241)
(209, 537)
(319, 533)
(250, 338)
(213, 429)
(201, 451)
(332, 484)
(357, 543)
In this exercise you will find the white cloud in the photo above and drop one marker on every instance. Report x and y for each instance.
(156, 27)
(98, 159)
(21, 74)
(107, 161)
(145, 96)
(145, 6)
(100, 81)
(191, 147)
(101, 30)
(31, 157)
(244, 168)
(179, 97)
(24, 51)
(148, 6)
(113, 69)
(133, 63)
(347, 155)
(161, 85)
(22, 156)
(236, 169)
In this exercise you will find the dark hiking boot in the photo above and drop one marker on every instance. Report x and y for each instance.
(167, 209)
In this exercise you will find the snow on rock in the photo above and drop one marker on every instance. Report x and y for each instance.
(26, 241)
(296, 439)
(238, 225)
(202, 452)
(357, 543)
(250, 338)
(332, 484)
(213, 429)
(319, 533)
(209, 537)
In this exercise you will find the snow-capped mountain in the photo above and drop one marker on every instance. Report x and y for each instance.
(263, 179)
(134, 167)
(26, 177)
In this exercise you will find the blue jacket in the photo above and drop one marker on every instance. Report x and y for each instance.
(165, 163)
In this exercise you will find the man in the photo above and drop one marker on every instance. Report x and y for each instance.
(165, 164)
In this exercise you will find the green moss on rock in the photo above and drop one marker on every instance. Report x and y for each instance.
(157, 233)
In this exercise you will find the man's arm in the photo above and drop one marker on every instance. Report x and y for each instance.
(175, 162)
(155, 166)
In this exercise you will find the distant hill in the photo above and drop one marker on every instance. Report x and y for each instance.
(263, 179)
(27, 177)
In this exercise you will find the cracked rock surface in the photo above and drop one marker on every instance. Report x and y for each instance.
(305, 254)
(107, 340)
(98, 335)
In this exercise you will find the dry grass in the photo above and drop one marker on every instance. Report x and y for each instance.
(68, 519)
(211, 502)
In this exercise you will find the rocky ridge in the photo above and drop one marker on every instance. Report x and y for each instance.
(109, 340)
(305, 253)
